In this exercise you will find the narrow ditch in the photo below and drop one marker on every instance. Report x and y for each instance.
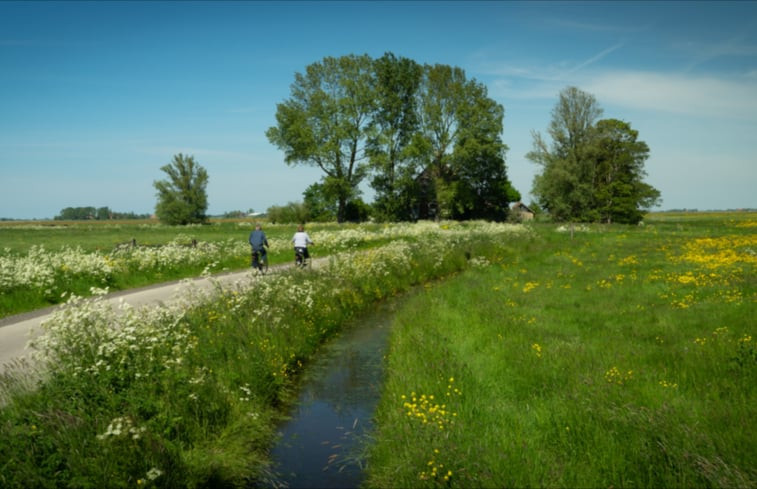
(320, 445)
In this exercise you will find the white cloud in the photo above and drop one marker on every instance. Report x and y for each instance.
(703, 52)
(687, 95)
(733, 98)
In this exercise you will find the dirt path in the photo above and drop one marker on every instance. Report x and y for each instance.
(16, 331)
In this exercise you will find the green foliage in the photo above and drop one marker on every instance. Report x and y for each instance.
(620, 193)
(320, 205)
(463, 171)
(325, 122)
(292, 213)
(430, 137)
(320, 200)
(593, 172)
(393, 145)
(182, 199)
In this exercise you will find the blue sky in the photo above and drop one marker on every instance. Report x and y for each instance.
(96, 96)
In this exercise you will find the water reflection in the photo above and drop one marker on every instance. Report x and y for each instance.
(318, 446)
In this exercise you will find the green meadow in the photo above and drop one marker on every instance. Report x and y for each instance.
(624, 357)
(611, 356)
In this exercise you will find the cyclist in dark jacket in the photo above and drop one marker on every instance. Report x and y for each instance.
(259, 242)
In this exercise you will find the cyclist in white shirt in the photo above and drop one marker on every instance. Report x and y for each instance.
(301, 241)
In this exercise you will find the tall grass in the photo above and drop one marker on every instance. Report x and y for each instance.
(623, 357)
(188, 395)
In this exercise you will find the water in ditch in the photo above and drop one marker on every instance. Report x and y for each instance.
(319, 446)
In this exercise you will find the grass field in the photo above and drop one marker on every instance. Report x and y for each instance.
(625, 357)
(189, 395)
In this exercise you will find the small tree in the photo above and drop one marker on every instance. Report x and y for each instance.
(182, 198)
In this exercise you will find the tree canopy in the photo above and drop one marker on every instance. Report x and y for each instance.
(429, 137)
(182, 198)
(325, 122)
(593, 170)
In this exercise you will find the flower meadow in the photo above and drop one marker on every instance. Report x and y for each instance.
(36, 275)
(189, 394)
(41, 276)
(623, 356)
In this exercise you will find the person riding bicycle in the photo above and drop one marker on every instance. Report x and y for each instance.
(259, 242)
(301, 241)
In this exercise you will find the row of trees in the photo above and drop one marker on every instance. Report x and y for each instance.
(594, 169)
(99, 213)
(428, 138)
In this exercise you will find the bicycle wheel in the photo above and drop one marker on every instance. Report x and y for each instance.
(299, 258)
(263, 264)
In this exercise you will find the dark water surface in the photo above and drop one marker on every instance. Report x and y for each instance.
(319, 446)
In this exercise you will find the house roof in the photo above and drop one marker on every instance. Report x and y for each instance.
(521, 207)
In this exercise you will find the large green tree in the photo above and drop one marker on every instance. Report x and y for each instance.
(593, 170)
(182, 198)
(620, 193)
(430, 138)
(393, 156)
(325, 123)
(460, 133)
(482, 189)
(563, 187)
(453, 159)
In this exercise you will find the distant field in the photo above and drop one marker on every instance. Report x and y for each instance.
(19, 236)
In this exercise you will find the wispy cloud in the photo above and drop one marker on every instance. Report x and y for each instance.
(592, 60)
(675, 93)
(550, 72)
(603, 27)
(711, 95)
(702, 53)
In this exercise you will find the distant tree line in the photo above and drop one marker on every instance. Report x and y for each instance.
(98, 214)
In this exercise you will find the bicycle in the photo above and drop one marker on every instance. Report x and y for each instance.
(301, 257)
(260, 261)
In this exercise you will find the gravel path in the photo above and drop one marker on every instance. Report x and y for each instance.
(16, 331)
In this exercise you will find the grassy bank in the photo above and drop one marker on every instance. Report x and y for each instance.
(188, 396)
(623, 357)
